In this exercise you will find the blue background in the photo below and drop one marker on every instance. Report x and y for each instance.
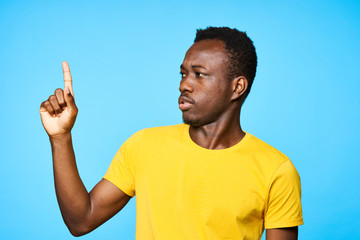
(125, 61)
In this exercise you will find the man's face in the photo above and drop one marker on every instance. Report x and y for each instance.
(205, 88)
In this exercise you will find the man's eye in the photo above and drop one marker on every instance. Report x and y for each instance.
(182, 74)
(199, 74)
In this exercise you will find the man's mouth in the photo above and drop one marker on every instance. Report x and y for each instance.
(185, 103)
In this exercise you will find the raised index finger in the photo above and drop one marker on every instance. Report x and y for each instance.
(67, 77)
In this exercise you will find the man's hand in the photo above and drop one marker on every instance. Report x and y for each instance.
(82, 212)
(58, 113)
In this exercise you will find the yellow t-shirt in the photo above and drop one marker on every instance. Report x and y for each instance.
(184, 191)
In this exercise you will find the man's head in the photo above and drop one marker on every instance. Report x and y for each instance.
(242, 59)
(215, 74)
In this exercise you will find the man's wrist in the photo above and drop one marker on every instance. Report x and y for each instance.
(61, 137)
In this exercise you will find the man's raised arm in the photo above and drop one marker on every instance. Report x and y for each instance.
(82, 211)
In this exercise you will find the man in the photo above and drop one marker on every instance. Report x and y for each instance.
(205, 179)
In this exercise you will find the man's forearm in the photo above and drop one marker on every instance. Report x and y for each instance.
(82, 211)
(73, 198)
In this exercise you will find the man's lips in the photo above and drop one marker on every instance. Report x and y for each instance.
(185, 103)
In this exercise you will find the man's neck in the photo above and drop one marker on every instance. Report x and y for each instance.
(218, 135)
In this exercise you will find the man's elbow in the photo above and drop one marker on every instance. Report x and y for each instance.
(78, 230)
(76, 234)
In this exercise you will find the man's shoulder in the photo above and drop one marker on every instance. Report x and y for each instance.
(156, 133)
(162, 131)
(264, 150)
(165, 129)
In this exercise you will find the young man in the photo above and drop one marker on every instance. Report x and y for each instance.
(205, 179)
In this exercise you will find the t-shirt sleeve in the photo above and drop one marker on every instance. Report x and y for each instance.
(121, 171)
(283, 208)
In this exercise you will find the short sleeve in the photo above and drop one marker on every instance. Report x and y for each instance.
(121, 171)
(283, 208)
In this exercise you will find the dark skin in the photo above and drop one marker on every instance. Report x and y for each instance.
(214, 112)
(82, 211)
(211, 104)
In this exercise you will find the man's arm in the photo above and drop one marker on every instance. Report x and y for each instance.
(82, 211)
(283, 209)
(290, 233)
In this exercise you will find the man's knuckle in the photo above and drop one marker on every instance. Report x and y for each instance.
(52, 98)
(58, 91)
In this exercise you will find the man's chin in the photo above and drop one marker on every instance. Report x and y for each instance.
(192, 122)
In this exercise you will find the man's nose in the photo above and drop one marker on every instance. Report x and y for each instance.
(186, 85)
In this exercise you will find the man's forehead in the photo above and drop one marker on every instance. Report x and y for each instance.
(208, 45)
(209, 51)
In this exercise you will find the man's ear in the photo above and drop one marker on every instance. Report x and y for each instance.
(239, 86)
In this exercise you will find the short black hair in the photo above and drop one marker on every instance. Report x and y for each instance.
(241, 50)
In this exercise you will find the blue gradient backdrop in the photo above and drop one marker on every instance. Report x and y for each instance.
(125, 61)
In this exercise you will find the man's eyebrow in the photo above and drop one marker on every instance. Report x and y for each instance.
(198, 66)
(193, 66)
